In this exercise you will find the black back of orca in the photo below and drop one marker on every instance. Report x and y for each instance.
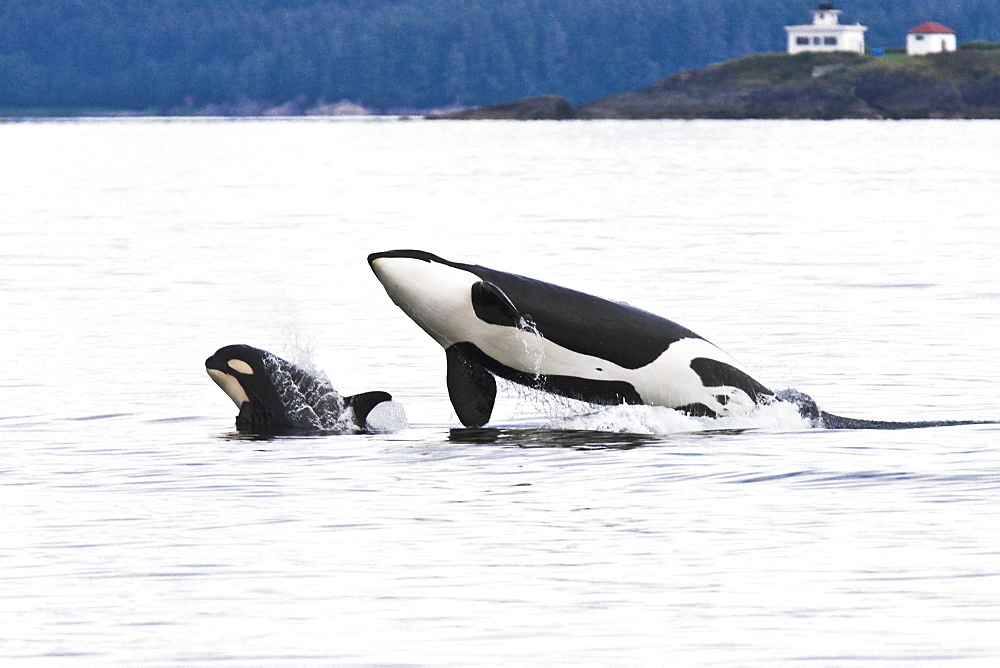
(809, 410)
(583, 323)
(625, 335)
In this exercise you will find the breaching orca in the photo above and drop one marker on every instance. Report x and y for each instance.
(276, 396)
(558, 340)
(573, 344)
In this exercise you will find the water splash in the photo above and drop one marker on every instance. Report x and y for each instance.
(533, 349)
(544, 410)
(308, 396)
(387, 417)
(641, 419)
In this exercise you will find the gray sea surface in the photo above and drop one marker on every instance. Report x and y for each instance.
(857, 261)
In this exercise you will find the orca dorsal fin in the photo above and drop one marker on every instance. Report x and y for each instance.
(245, 418)
(493, 306)
(255, 419)
(472, 389)
(362, 404)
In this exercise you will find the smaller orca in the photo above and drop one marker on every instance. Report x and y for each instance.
(275, 396)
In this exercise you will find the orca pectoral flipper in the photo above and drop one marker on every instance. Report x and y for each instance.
(254, 418)
(493, 306)
(362, 404)
(472, 389)
(245, 418)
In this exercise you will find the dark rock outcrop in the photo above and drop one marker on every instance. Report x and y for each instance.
(952, 85)
(722, 100)
(963, 84)
(908, 95)
(984, 93)
(542, 108)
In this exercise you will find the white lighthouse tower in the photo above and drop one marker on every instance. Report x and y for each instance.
(826, 33)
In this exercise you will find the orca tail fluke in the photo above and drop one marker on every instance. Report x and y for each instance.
(362, 404)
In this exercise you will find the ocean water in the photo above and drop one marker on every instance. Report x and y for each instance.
(856, 261)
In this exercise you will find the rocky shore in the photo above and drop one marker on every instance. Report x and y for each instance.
(961, 84)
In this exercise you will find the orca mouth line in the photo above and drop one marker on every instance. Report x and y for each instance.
(217, 365)
(409, 254)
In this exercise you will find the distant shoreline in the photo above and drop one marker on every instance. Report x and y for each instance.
(114, 116)
(964, 84)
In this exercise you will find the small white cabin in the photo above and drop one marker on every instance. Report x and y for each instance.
(826, 33)
(930, 38)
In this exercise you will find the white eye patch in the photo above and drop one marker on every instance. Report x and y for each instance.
(240, 366)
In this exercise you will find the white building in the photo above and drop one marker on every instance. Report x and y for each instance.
(826, 33)
(930, 38)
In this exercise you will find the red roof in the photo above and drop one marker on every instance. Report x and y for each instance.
(932, 27)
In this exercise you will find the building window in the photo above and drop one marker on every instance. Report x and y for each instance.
(816, 40)
(802, 41)
(918, 37)
(830, 41)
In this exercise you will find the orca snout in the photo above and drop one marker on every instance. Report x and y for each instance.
(410, 254)
(219, 362)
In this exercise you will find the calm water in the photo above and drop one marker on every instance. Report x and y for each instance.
(857, 261)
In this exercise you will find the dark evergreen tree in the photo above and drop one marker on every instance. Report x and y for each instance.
(398, 54)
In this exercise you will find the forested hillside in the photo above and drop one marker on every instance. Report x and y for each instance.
(393, 55)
